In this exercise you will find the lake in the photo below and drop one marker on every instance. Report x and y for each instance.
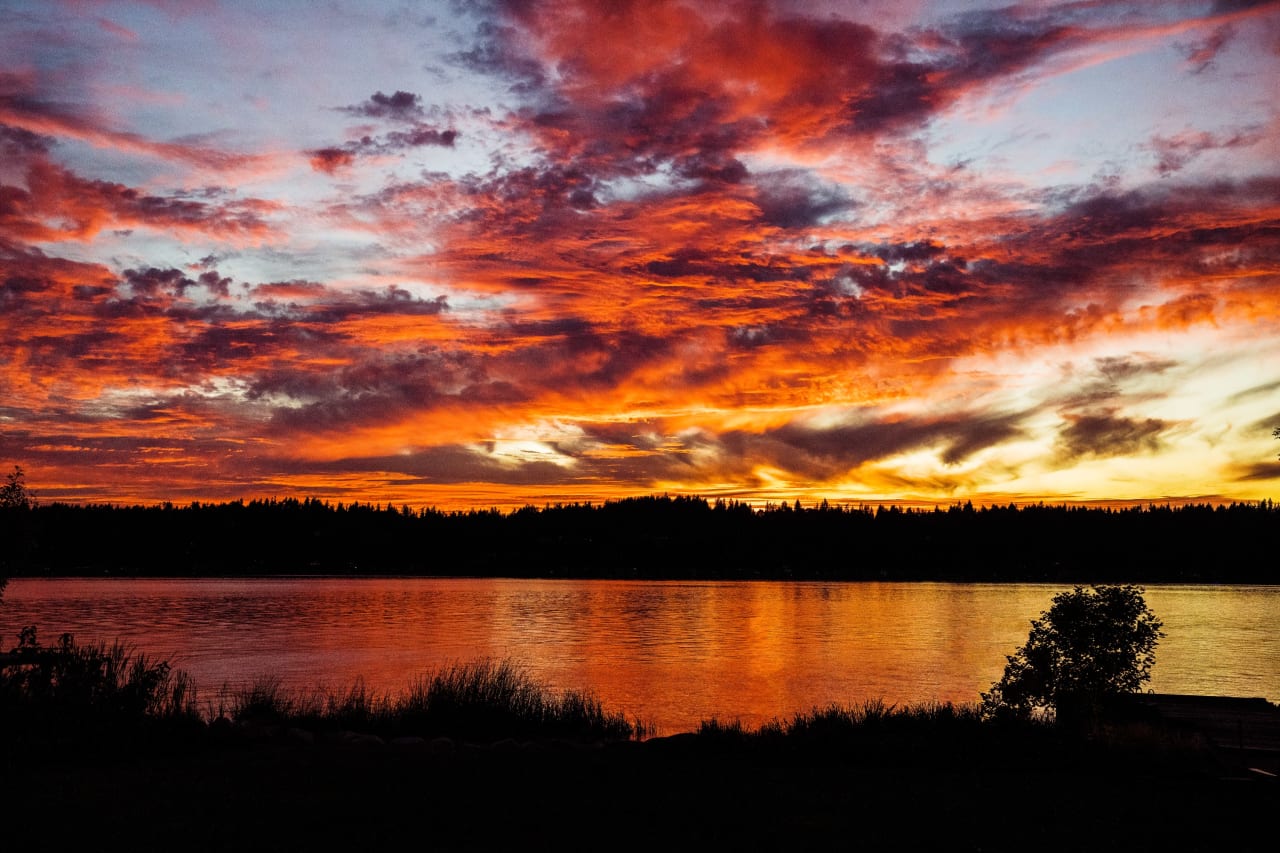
(671, 653)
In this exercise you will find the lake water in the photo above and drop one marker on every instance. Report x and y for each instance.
(671, 653)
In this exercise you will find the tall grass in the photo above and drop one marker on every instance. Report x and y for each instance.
(75, 694)
(839, 721)
(880, 732)
(483, 700)
(486, 697)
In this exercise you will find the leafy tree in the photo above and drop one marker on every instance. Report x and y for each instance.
(1091, 646)
(1275, 433)
(14, 493)
(15, 498)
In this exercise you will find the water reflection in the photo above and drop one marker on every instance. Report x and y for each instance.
(672, 653)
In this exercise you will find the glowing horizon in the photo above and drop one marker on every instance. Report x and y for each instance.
(504, 253)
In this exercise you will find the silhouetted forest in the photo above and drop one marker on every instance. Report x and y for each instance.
(652, 537)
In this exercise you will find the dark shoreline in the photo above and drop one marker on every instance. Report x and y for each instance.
(684, 793)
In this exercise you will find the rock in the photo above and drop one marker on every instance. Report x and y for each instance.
(300, 736)
(442, 746)
(683, 743)
(355, 739)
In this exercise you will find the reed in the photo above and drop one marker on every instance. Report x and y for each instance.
(73, 694)
(878, 731)
(483, 700)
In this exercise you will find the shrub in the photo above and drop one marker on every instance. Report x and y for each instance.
(69, 693)
(1090, 647)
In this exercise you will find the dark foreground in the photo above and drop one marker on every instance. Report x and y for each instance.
(689, 792)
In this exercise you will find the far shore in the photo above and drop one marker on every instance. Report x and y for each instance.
(657, 538)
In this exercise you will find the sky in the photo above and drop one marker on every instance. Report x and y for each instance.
(525, 252)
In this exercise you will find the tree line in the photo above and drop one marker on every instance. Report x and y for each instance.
(672, 537)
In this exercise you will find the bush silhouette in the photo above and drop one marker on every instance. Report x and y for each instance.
(76, 696)
(15, 502)
(1089, 648)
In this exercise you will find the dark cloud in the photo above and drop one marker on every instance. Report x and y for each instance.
(1175, 152)
(1161, 228)
(795, 199)
(363, 303)
(496, 52)
(214, 283)
(1227, 6)
(1105, 433)
(17, 289)
(643, 454)
(375, 391)
(711, 166)
(401, 106)
(330, 160)
(531, 203)
(1267, 425)
(905, 252)
(1256, 471)
(991, 43)
(1116, 369)
(152, 282)
(828, 452)
(219, 343)
(420, 135)
(333, 158)
(1266, 388)
(17, 142)
(1103, 388)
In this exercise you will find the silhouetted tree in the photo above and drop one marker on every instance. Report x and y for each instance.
(15, 501)
(1091, 646)
(14, 493)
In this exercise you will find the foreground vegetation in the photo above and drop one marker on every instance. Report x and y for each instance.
(69, 696)
(481, 701)
(108, 749)
(73, 697)
(654, 537)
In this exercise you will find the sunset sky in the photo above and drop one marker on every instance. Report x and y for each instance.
(489, 254)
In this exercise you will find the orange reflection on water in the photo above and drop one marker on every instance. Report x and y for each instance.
(669, 653)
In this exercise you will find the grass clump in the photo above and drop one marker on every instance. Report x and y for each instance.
(875, 731)
(487, 698)
(480, 701)
(74, 696)
(963, 735)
